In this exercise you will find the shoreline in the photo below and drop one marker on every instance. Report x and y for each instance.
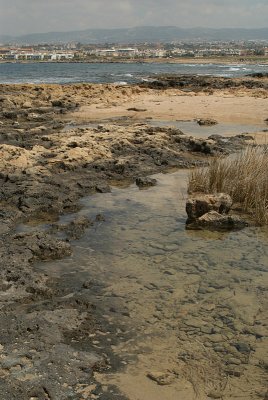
(47, 169)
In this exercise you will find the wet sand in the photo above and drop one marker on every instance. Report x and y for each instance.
(172, 106)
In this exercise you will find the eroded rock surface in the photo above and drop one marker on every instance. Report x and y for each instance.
(200, 204)
(215, 220)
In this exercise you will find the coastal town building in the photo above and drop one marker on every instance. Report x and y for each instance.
(83, 52)
(31, 55)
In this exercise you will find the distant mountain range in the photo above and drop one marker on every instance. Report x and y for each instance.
(139, 35)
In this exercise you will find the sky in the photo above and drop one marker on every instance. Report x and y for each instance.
(18, 17)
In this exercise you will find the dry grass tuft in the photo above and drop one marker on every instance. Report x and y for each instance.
(243, 176)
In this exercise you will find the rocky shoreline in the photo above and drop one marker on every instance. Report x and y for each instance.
(46, 167)
(182, 60)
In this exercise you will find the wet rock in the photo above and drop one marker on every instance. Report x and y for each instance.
(137, 109)
(74, 229)
(206, 122)
(42, 246)
(258, 75)
(10, 114)
(215, 221)
(161, 378)
(57, 103)
(103, 188)
(143, 182)
(200, 204)
(216, 137)
(119, 167)
(100, 218)
(87, 284)
(202, 146)
(197, 83)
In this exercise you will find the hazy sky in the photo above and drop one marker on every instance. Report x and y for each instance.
(27, 16)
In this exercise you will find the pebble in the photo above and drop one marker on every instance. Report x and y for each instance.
(215, 338)
(171, 247)
(234, 361)
(194, 323)
(242, 347)
(215, 329)
(206, 329)
(207, 344)
(219, 349)
(161, 378)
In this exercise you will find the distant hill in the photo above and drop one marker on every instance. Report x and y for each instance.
(139, 35)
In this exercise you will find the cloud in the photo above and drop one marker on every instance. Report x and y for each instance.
(26, 16)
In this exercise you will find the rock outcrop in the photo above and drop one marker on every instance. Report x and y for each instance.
(201, 204)
(210, 211)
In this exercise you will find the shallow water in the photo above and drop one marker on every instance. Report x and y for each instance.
(187, 127)
(179, 299)
(224, 129)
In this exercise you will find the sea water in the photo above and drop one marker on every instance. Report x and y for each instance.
(120, 73)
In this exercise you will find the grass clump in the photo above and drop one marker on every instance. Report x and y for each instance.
(244, 176)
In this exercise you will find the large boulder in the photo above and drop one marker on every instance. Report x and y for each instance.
(216, 221)
(201, 204)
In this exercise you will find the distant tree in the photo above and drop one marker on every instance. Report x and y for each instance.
(259, 52)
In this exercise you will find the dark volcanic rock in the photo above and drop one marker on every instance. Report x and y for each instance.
(198, 83)
(42, 246)
(137, 109)
(259, 75)
(143, 182)
(206, 122)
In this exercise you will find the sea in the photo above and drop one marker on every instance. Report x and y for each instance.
(117, 73)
